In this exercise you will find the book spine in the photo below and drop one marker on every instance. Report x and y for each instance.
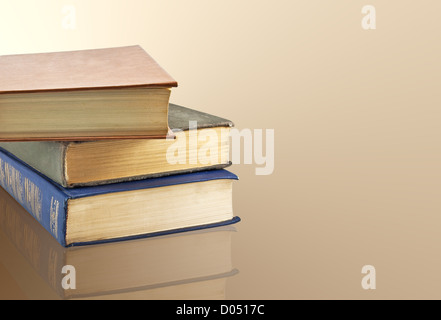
(45, 157)
(40, 197)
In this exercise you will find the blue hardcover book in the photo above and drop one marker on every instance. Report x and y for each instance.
(120, 211)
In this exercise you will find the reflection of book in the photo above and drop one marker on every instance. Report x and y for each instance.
(148, 207)
(72, 164)
(191, 265)
(83, 95)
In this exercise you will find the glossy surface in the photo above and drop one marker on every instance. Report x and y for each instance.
(356, 115)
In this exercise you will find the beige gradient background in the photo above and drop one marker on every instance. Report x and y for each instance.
(356, 115)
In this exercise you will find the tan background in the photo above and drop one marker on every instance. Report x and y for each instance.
(356, 115)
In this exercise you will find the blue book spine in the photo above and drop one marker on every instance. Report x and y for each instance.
(40, 197)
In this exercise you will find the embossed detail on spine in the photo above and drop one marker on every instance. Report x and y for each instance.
(21, 188)
(55, 206)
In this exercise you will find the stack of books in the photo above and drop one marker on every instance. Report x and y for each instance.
(93, 150)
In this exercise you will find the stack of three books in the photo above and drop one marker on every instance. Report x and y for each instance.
(94, 151)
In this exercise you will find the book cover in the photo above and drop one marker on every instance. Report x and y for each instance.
(107, 166)
(47, 202)
(121, 67)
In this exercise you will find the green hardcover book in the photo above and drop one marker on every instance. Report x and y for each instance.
(75, 164)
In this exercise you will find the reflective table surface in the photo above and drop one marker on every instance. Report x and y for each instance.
(352, 209)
